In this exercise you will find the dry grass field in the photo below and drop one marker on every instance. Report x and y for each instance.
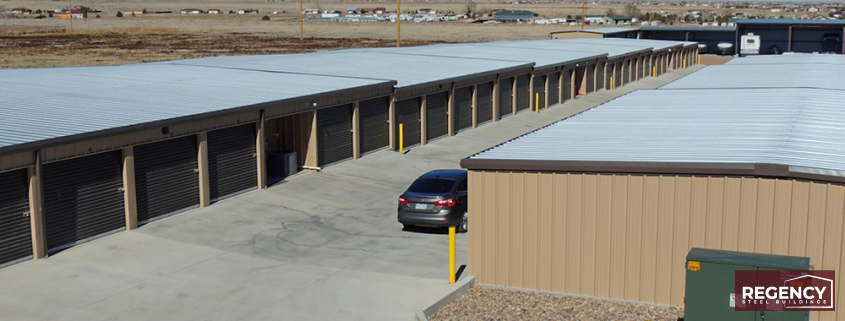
(109, 40)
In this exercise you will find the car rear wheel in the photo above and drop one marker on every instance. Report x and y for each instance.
(464, 223)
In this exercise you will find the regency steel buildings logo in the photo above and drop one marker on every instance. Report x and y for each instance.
(785, 290)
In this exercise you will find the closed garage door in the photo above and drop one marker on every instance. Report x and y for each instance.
(505, 97)
(554, 88)
(436, 119)
(83, 198)
(408, 115)
(463, 108)
(15, 235)
(375, 130)
(523, 92)
(334, 134)
(540, 88)
(231, 160)
(166, 178)
(484, 110)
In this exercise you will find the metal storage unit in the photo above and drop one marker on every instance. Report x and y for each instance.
(463, 108)
(334, 134)
(15, 233)
(554, 88)
(710, 283)
(523, 83)
(373, 121)
(408, 115)
(83, 198)
(231, 160)
(484, 103)
(505, 97)
(436, 118)
(590, 78)
(540, 88)
(166, 177)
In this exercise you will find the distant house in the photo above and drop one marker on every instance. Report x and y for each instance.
(380, 10)
(73, 14)
(514, 15)
(214, 11)
(618, 19)
(190, 11)
(427, 11)
(245, 11)
(20, 10)
(592, 19)
(352, 10)
(136, 12)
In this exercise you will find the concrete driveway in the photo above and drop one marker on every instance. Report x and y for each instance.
(317, 246)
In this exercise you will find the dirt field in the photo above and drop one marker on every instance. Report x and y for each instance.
(109, 40)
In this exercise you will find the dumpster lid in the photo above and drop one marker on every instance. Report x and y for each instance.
(749, 259)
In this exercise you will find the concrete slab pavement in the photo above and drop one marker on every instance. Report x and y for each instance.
(318, 246)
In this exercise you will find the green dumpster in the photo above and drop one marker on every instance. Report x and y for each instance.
(710, 284)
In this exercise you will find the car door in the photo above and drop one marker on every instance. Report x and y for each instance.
(461, 194)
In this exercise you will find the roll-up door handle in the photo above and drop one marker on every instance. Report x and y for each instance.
(196, 170)
(121, 189)
(26, 214)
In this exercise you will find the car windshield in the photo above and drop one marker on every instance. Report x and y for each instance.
(432, 185)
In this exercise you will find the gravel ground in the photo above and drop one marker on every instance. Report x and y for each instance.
(486, 303)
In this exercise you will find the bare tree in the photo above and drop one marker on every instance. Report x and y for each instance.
(631, 10)
(470, 6)
(610, 12)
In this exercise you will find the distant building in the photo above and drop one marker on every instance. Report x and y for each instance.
(20, 10)
(618, 19)
(73, 14)
(380, 10)
(592, 19)
(135, 12)
(352, 10)
(514, 15)
(245, 11)
(427, 11)
(191, 11)
(214, 11)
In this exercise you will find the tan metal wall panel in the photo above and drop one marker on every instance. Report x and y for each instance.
(636, 184)
(17, 160)
(798, 221)
(573, 234)
(627, 236)
(604, 212)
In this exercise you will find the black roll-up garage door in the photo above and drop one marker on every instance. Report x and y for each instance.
(505, 97)
(166, 177)
(554, 88)
(15, 234)
(83, 198)
(334, 134)
(436, 119)
(484, 108)
(408, 115)
(463, 108)
(540, 88)
(231, 160)
(375, 130)
(523, 83)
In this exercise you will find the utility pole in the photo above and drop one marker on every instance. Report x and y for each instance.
(70, 14)
(583, 13)
(301, 28)
(398, 24)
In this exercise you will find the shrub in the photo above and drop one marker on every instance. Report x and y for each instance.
(120, 14)
(265, 18)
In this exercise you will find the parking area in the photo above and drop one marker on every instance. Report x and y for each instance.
(317, 246)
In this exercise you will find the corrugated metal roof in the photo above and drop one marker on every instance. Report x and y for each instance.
(699, 28)
(542, 58)
(574, 45)
(806, 71)
(48, 103)
(656, 45)
(791, 22)
(407, 70)
(796, 127)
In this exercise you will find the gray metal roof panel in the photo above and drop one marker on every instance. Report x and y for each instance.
(541, 58)
(791, 22)
(788, 59)
(572, 45)
(700, 28)
(407, 70)
(764, 75)
(656, 45)
(50, 103)
(795, 126)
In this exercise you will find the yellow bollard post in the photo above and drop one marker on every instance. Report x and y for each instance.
(611, 83)
(537, 101)
(401, 140)
(451, 254)
(654, 73)
(685, 63)
(699, 59)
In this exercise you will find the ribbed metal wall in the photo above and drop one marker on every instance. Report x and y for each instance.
(408, 115)
(554, 88)
(523, 86)
(375, 129)
(15, 231)
(166, 177)
(334, 134)
(505, 97)
(463, 108)
(627, 236)
(436, 118)
(484, 101)
(231, 160)
(83, 198)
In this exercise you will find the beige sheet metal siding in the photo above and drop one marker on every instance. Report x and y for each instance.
(627, 236)
(16, 160)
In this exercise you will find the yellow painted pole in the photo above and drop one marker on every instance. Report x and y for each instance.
(451, 254)
(537, 101)
(401, 140)
(654, 73)
(699, 59)
(611, 83)
(685, 63)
